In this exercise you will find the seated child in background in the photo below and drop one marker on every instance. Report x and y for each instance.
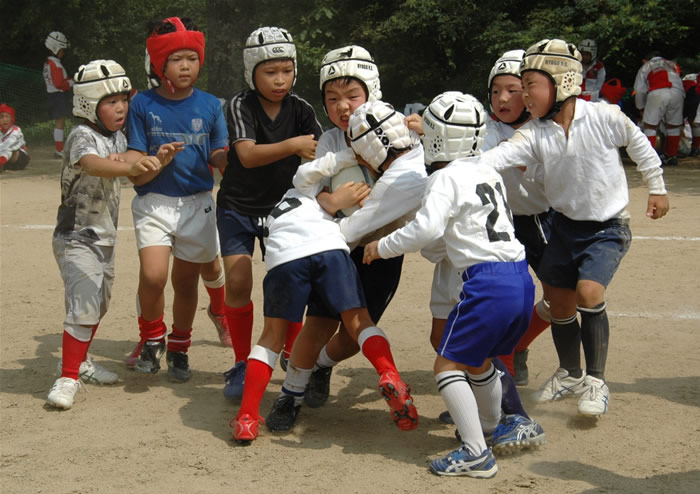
(13, 149)
(465, 206)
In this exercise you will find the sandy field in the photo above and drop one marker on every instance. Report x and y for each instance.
(146, 434)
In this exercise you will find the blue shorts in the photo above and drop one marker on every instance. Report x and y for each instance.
(492, 314)
(237, 232)
(380, 280)
(533, 231)
(583, 250)
(58, 104)
(326, 281)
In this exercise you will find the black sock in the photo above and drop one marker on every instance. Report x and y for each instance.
(566, 334)
(510, 399)
(595, 333)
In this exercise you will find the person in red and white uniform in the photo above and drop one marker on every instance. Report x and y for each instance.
(57, 85)
(13, 150)
(659, 96)
(593, 70)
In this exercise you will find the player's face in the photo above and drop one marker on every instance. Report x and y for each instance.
(5, 121)
(342, 99)
(586, 57)
(182, 68)
(538, 93)
(112, 111)
(507, 98)
(274, 79)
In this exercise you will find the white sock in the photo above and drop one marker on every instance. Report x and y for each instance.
(458, 397)
(295, 383)
(487, 392)
(58, 135)
(324, 360)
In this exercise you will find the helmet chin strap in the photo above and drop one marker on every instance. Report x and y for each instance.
(555, 108)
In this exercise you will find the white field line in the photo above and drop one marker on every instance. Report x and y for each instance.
(126, 228)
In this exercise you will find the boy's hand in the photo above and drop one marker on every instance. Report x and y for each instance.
(657, 206)
(144, 165)
(350, 194)
(167, 152)
(305, 146)
(415, 123)
(371, 252)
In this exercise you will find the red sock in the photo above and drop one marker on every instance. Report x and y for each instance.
(179, 340)
(217, 299)
(240, 327)
(652, 140)
(152, 330)
(3, 161)
(293, 329)
(59, 146)
(696, 142)
(74, 352)
(92, 337)
(672, 145)
(537, 325)
(257, 377)
(508, 361)
(376, 349)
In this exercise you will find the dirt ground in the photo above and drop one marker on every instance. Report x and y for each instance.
(150, 435)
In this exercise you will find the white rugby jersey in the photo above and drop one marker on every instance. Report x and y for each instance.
(657, 73)
(582, 174)
(11, 141)
(525, 194)
(394, 199)
(298, 227)
(55, 76)
(465, 205)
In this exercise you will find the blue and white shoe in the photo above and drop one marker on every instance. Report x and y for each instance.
(235, 377)
(462, 463)
(516, 432)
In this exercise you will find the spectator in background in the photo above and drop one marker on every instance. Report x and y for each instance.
(593, 70)
(659, 96)
(57, 85)
(13, 150)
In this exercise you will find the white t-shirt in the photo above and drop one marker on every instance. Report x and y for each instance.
(582, 174)
(465, 205)
(525, 194)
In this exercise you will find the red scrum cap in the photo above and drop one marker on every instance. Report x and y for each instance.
(5, 108)
(160, 46)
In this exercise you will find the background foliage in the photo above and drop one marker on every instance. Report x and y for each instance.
(423, 47)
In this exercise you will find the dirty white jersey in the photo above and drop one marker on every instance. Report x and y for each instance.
(582, 173)
(298, 227)
(394, 199)
(465, 205)
(525, 194)
(657, 73)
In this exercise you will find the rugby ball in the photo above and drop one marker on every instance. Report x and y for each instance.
(356, 174)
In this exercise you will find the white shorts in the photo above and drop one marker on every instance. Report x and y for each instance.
(444, 294)
(88, 274)
(664, 104)
(186, 224)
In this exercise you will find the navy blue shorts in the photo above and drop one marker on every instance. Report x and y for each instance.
(237, 232)
(493, 312)
(583, 250)
(533, 231)
(58, 104)
(380, 280)
(327, 280)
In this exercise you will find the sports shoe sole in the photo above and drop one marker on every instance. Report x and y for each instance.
(403, 411)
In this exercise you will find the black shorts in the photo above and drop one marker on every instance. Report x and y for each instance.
(58, 104)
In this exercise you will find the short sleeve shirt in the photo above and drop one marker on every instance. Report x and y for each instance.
(89, 207)
(255, 191)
